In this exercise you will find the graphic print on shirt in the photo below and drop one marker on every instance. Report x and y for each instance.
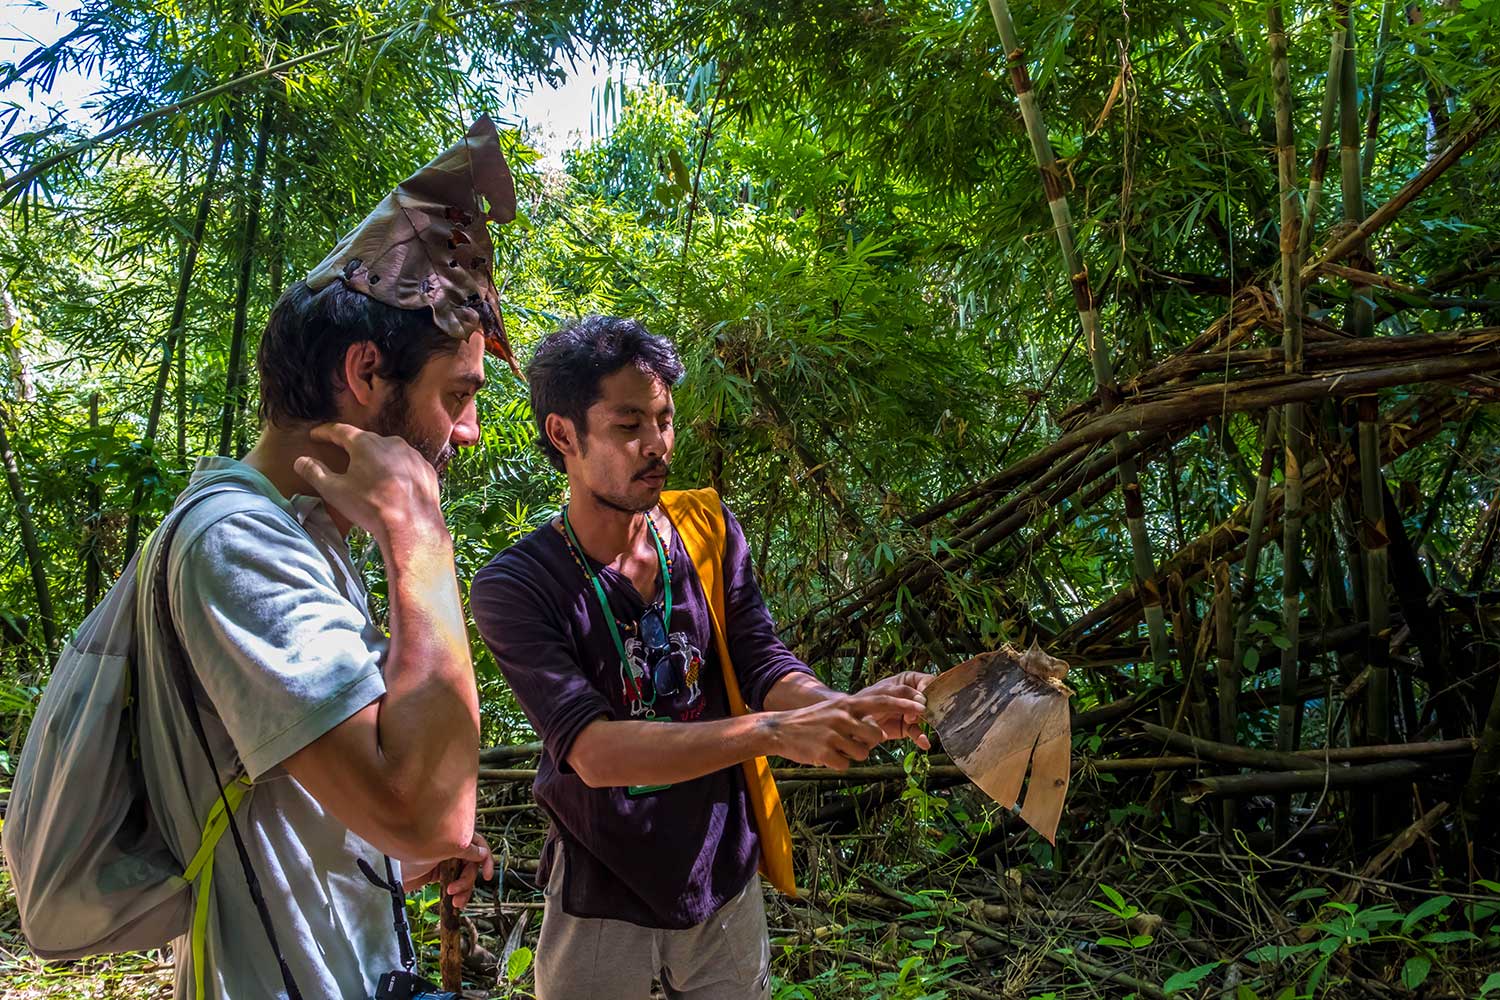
(686, 665)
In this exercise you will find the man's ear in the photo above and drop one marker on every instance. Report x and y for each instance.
(563, 434)
(361, 367)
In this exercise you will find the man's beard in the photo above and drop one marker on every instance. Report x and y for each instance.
(624, 504)
(394, 420)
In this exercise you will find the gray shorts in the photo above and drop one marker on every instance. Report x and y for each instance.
(727, 957)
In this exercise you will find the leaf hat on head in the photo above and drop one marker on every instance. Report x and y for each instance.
(427, 243)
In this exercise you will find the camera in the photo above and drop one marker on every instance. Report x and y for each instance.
(399, 984)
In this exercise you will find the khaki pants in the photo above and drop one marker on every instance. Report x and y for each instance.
(727, 957)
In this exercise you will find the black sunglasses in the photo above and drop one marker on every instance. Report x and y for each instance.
(653, 631)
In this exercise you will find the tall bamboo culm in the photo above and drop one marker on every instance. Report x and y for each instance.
(1359, 323)
(1319, 170)
(176, 328)
(1291, 344)
(234, 380)
(1142, 562)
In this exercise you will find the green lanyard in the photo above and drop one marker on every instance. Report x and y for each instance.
(609, 615)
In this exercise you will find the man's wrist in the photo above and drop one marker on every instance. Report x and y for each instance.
(414, 533)
(768, 733)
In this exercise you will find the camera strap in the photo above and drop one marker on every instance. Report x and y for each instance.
(392, 885)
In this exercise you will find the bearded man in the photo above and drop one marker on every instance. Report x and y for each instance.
(353, 744)
(634, 636)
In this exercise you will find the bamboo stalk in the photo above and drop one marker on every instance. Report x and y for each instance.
(1227, 676)
(1435, 506)
(1325, 125)
(93, 572)
(1479, 790)
(1287, 783)
(1227, 752)
(1377, 87)
(1142, 562)
(176, 330)
(1488, 533)
(1436, 92)
(1372, 484)
(1250, 574)
(35, 560)
(450, 952)
(1323, 485)
(1291, 345)
(233, 379)
(1350, 239)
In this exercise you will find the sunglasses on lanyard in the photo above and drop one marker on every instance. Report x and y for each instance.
(666, 675)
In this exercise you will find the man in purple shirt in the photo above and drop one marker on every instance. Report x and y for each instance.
(600, 624)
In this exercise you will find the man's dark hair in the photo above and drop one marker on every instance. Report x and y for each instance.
(301, 358)
(565, 372)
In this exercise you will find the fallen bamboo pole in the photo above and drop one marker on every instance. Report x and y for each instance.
(1270, 760)
(1310, 780)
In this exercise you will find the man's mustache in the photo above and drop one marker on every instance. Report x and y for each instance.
(657, 467)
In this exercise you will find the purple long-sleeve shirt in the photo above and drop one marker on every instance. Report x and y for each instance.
(667, 858)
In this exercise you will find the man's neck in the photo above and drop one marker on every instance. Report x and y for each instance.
(276, 452)
(605, 532)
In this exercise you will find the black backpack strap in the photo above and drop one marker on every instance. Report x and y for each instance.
(181, 671)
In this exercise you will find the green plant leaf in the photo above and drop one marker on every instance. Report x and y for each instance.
(1428, 908)
(1448, 937)
(1192, 977)
(1490, 985)
(518, 963)
(1414, 972)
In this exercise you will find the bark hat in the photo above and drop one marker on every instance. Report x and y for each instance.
(427, 243)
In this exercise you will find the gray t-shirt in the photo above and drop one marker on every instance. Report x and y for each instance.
(276, 625)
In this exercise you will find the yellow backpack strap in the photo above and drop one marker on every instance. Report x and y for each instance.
(200, 871)
(698, 519)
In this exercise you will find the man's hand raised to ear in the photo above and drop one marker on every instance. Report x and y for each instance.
(401, 772)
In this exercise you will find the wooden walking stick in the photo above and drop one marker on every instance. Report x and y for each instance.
(451, 960)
